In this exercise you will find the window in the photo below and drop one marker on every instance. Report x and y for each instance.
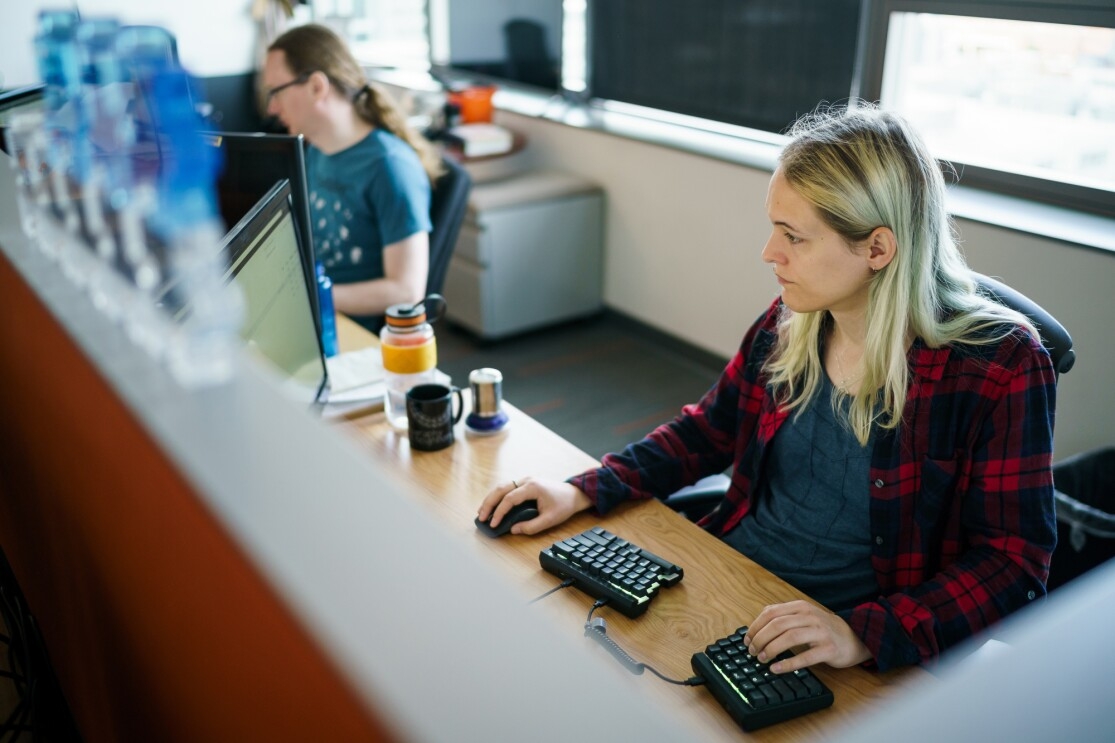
(1019, 96)
(500, 41)
(574, 70)
(759, 64)
(388, 33)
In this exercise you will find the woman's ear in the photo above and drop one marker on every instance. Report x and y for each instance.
(319, 84)
(881, 248)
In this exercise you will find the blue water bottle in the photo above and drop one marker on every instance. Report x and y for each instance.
(186, 219)
(328, 314)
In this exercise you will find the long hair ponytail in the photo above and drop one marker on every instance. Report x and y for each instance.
(375, 105)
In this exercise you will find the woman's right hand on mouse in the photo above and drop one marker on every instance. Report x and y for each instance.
(557, 502)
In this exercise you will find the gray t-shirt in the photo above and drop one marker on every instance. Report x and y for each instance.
(810, 523)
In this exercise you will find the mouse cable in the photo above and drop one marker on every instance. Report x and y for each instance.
(564, 584)
(597, 629)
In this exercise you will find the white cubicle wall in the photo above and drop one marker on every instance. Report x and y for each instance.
(438, 645)
(215, 37)
(1045, 680)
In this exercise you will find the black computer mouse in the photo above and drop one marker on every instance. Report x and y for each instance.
(524, 511)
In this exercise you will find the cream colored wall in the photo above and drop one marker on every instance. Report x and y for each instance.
(684, 232)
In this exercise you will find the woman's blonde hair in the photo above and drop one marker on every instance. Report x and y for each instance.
(862, 168)
(313, 48)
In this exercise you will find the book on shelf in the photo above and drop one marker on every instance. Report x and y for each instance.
(478, 140)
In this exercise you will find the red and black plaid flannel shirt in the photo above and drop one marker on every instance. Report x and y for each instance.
(962, 514)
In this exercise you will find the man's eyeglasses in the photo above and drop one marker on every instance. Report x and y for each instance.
(278, 88)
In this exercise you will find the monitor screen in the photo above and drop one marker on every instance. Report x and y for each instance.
(253, 163)
(264, 259)
(518, 41)
(18, 100)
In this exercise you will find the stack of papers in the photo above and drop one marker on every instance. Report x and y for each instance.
(478, 140)
(356, 376)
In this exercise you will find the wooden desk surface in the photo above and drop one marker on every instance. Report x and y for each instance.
(351, 336)
(721, 590)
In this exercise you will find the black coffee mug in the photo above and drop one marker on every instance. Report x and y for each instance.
(430, 417)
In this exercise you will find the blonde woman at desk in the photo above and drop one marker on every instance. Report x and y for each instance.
(889, 431)
(368, 173)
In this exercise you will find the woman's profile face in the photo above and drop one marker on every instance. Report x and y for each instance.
(287, 97)
(814, 265)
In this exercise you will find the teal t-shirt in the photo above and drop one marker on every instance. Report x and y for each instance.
(368, 196)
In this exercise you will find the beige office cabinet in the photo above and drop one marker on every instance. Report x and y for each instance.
(529, 254)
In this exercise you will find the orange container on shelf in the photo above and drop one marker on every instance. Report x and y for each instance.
(474, 103)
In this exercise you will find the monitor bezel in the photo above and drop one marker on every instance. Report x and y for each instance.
(243, 234)
(291, 147)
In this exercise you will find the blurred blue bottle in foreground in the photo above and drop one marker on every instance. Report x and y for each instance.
(56, 50)
(328, 313)
(118, 185)
(186, 220)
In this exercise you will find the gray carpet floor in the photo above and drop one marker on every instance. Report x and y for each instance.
(600, 383)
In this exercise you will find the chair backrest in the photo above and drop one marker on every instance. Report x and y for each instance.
(448, 204)
(1053, 334)
(528, 57)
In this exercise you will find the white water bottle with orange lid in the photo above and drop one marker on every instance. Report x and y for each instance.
(409, 353)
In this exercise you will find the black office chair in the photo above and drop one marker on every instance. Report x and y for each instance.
(448, 204)
(698, 499)
(528, 58)
(1053, 334)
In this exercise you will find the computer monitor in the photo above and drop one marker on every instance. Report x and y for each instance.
(265, 260)
(253, 163)
(17, 100)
